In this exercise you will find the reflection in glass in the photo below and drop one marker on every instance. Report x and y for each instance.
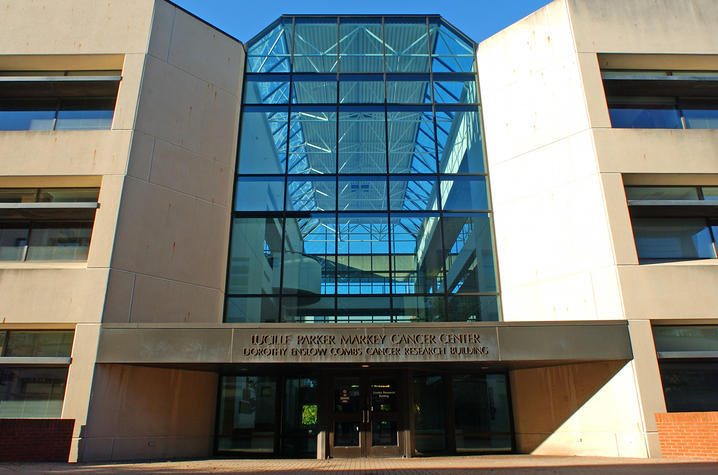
(311, 193)
(365, 193)
(314, 89)
(346, 434)
(413, 194)
(464, 193)
(252, 309)
(361, 89)
(645, 116)
(689, 386)
(310, 244)
(315, 45)
(246, 417)
(416, 254)
(63, 241)
(13, 241)
(39, 343)
(347, 397)
(451, 52)
(473, 308)
(308, 309)
(701, 117)
(383, 434)
(469, 253)
(412, 144)
(255, 256)
(362, 254)
(31, 392)
(300, 417)
(360, 45)
(482, 416)
(710, 192)
(408, 89)
(362, 141)
(458, 139)
(687, 338)
(363, 309)
(418, 308)
(672, 239)
(455, 90)
(85, 114)
(259, 193)
(406, 45)
(312, 140)
(270, 53)
(263, 146)
(266, 89)
(661, 193)
(27, 114)
(429, 414)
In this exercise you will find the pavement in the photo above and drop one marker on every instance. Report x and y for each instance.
(487, 464)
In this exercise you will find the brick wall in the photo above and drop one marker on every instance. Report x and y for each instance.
(688, 434)
(35, 440)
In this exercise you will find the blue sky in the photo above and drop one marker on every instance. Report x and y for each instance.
(478, 19)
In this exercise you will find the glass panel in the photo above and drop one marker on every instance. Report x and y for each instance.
(314, 89)
(246, 416)
(259, 193)
(701, 118)
(39, 343)
(31, 392)
(661, 193)
(383, 397)
(690, 386)
(18, 195)
(301, 417)
(13, 239)
(59, 241)
(311, 309)
(263, 146)
(85, 114)
(450, 50)
(27, 114)
(363, 255)
(469, 253)
(255, 256)
(418, 308)
(365, 309)
(453, 91)
(416, 254)
(347, 397)
(645, 117)
(481, 413)
(361, 89)
(271, 51)
(672, 239)
(265, 89)
(464, 193)
(362, 141)
(412, 144)
(252, 309)
(473, 308)
(686, 338)
(408, 89)
(366, 193)
(68, 195)
(383, 433)
(311, 241)
(311, 193)
(360, 45)
(429, 414)
(312, 142)
(346, 434)
(406, 45)
(3, 334)
(459, 141)
(710, 192)
(413, 194)
(315, 45)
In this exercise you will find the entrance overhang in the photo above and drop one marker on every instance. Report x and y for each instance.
(498, 344)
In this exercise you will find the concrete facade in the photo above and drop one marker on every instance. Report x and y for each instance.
(166, 169)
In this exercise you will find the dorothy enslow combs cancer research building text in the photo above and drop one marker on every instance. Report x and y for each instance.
(358, 236)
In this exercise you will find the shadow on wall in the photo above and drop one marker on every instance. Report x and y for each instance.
(544, 398)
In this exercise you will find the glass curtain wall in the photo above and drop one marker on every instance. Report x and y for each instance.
(361, 192)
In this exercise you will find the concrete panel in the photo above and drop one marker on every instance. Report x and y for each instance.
(619, 219)
(79, 380)
(161, 32)
(657, 150)
(103, 231)
(163, 301)
(171, 235)
(191, 39)
(680, 290)
(52, 295)
(645, 26)
(150, 413)
(593, 90)
(648, 375)
(143, 146)
(181, 170)
(67, 152)
(85, 26)
(126, 105)
(119, 297)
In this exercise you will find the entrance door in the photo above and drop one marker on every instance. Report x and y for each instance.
(366, 417)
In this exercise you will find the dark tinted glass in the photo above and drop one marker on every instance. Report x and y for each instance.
(469, 253)
(255, 256)
(31, 392)
(246, 416)
(482, 414)
(690, 386)
(300, 417)
(429, 414)
(472, 308)
(64, 241)
(658, 239)
(39, 343)
(645, 117)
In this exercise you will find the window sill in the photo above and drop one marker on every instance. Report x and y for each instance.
(709, 261)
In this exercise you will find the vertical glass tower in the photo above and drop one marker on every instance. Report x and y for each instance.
(361, 191)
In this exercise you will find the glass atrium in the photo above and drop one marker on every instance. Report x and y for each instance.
(361, 190)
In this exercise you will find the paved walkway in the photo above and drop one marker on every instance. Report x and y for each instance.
(492, 464)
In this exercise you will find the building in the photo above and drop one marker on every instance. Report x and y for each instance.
(293, 247)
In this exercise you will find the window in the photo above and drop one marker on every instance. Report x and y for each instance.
(688, 361)
(34, 387)
(662, 99)
(361, 192)
(52, 100)
(674, 222)
(46, 224)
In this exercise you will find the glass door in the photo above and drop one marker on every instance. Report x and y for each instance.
(349, 415)
(383, 419)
